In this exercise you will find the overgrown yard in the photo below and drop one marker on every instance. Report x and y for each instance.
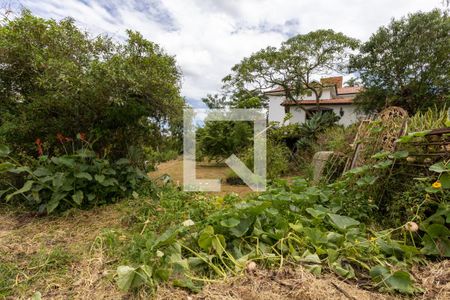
(66, 257)
(364, 213)
(205, 170)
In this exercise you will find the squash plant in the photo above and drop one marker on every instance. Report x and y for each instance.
(79, 179)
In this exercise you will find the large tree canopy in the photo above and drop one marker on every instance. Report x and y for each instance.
(406, 63)
(295, 65)
(55, 78)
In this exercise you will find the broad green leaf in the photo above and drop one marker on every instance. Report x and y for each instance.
(439, 168)
(129, 278)
(21, 169)
(242, 228)
(188, 284)
(296, 227)
(41, 171)
(383, 164)
(400, 281)
(218, 244)
(343, 271)
(162, 274)
(343, 222)
(379, 273)
(54, 201)
(125, 277)
(83, 175)
(26, 188)
(58, 179)
(4, 151)
(445, 180)
(205, 238)
(230, 222)
(168, 237)
(438, 230)
(122, 161)
(316, 214)
(308, 257)
(316, 270)
(78, 197)
(6, 166)
(400, 154)
(63, 161)
(100, 178)
(109, 181)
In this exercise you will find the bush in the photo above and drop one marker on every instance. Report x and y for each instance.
(56, 78)
(154, 157)
(79, 179)
(218, 140)
(277, 159)
(336, 138)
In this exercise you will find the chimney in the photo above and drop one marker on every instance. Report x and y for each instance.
(332, 81)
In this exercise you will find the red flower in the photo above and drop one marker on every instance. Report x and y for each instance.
(38, 143)
(82, 136)
(60, 137)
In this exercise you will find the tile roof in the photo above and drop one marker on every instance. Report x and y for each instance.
(349, 90)
(322, 101)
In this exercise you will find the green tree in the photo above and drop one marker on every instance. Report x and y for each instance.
(294, 65)
(218, 140)
(406, 63)
(55, 78)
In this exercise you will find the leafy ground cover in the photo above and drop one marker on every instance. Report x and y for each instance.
(48, 255)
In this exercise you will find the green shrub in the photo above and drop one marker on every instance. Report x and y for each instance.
(310, 129)
(57, 78)
(277, 159)
(154, 157)
(336, 138)
(79, 179)
(217, 140)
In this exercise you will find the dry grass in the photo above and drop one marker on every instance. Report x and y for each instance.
(55, 255)
(287, 284)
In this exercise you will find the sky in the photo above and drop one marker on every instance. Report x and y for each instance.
(208, 37)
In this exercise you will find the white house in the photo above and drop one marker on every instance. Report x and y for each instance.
(334, 97)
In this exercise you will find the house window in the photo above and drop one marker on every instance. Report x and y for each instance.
(314, 110)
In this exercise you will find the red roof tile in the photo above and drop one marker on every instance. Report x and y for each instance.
(349, 90)
(322, 101)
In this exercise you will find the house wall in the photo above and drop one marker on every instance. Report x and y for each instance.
(350, 116)
(276, 110)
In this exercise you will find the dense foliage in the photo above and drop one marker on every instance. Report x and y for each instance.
(55, 78)
(79, 179)
(406, 63)
(217, 140)
(293, 65)
(316, 227)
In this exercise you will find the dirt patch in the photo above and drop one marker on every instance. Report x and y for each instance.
(204, 170)
(286, 284)
(299, 284)
(435, 279)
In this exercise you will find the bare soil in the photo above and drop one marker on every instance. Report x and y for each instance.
(204, 170)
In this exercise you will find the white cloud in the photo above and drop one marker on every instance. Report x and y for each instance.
(209, 36)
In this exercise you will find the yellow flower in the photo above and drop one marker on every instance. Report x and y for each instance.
(372, 239)
(437, 185)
